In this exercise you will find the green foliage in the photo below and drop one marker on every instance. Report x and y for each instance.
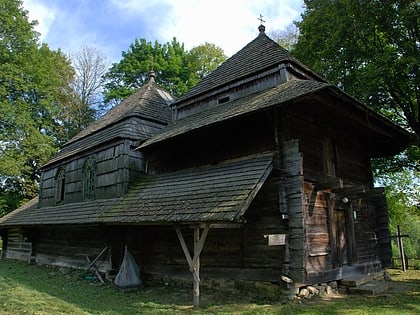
(371, 50)
(176, 69)
(204, 59)
(403, 197)
(11, 196)
(35, 93)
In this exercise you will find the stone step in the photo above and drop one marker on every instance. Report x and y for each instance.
(356, 280)
(374, 287)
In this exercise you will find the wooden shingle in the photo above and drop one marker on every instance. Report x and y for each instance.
(138, 117)
(214, 193)
(278, 95)
(260, 54)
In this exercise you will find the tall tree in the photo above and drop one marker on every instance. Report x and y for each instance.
(34, 91)
(177, 69)
(124, 77)
(203, 59)
(370, 49)
(403, 196)
(90, 66)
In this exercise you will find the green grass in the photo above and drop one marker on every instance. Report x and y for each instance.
(32, 289)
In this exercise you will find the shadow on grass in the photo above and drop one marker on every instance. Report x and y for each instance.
(70, 286)
(83, 297)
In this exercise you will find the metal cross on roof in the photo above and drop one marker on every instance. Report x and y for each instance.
(261, 19)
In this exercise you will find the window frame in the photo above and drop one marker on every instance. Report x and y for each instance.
(60, 185)
(89, 179)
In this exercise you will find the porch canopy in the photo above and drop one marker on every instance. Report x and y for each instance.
(219, 193)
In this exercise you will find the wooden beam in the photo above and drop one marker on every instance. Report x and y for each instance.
(351, 235)
(330, 199)
(199, 242)
(97, 257)
(184, 246)
(220, 225)
(194, 263)
(331, 183)
(196, 267)
(92, 266)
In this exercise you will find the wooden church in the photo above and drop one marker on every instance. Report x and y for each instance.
(261, 171)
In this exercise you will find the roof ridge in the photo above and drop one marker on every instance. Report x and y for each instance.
(262, 49)
(124, 109)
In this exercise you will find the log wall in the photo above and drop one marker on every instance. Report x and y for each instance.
(18, 247)
(69, 247)
(291, 194)
(225, 141)
(351, 177)
(117, 165)
(240, 252)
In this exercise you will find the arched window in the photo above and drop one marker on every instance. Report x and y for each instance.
(60, 185)
(89, 172)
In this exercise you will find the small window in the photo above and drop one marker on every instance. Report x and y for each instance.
(60, 185)
(224, 100)
(89, 172)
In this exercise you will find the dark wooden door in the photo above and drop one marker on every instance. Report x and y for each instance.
(340, 237)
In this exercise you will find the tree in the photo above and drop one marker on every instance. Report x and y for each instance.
(286, 38)
(176, 69)
(124, 77)
(403, 196)
(370, 49)
(90, 67)
(203, 59)
(34, 92)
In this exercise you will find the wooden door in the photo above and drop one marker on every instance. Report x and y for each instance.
(340, 236)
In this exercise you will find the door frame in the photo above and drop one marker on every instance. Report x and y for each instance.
(335, 204)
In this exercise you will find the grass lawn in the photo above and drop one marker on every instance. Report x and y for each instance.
(32, 289)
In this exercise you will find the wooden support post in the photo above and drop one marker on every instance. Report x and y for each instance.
(401, 248)
(196, 267)
(194, 263)
(351, 235)
(330, 199)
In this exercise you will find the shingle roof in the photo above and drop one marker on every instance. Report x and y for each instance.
(277, 95)
(126, 120)
(150, 102)
(132, 128)
(214, 193)
(260, 54)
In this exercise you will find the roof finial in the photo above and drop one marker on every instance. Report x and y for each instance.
(261, 28)
(152, 75)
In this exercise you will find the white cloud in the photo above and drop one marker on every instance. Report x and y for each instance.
(43, 14)
(112, 25)
(135, 6)
(229, 24)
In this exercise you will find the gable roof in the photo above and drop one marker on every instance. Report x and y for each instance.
(149, 102)
(212, 193)
(278, 95)
(260, 54)
(389, 138)
(127, 120)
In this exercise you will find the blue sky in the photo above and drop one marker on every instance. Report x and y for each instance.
(112, 25)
